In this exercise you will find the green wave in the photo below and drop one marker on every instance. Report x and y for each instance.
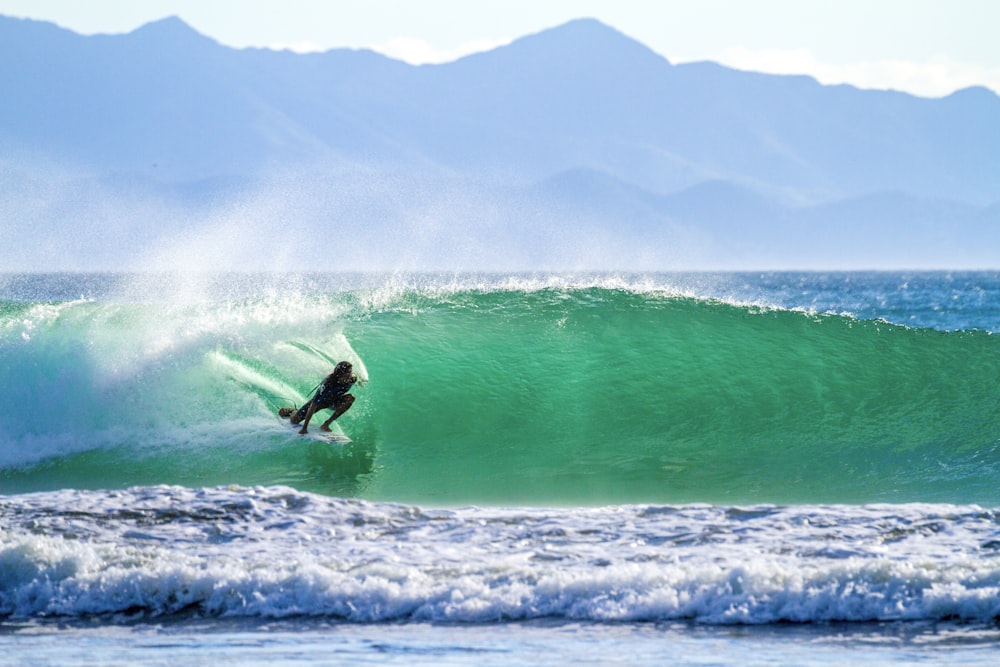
(508, 396)
(612, 396)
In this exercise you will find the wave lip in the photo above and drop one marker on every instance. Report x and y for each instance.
(274, 552)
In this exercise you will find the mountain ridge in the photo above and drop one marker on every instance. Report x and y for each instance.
(578, 122)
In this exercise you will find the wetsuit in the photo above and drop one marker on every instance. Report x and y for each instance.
(329, 395)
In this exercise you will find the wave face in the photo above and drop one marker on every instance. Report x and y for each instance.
(496, 391)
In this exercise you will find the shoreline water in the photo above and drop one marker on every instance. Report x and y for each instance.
(547, 642)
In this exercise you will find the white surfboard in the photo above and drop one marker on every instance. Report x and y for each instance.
(316, 433)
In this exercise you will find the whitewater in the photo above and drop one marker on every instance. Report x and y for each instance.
(537, 456)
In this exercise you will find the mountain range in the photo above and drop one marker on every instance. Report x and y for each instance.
(573, 148)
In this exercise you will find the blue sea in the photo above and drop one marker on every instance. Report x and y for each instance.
(610, 468)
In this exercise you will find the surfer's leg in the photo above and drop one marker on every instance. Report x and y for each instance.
(345, 402)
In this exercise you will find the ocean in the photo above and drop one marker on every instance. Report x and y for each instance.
(692, 468)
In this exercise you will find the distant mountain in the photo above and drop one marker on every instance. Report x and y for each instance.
(567, 148)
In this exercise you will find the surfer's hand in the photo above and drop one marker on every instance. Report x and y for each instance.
(303, 431)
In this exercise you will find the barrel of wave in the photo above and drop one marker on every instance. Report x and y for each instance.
(600, 395)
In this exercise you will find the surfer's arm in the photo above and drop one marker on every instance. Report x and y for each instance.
(309, 414)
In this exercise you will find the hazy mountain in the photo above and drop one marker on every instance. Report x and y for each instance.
(577, 147)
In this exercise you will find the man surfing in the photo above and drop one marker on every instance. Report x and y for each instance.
(331, 394)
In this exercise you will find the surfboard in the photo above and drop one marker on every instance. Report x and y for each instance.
(315, 433)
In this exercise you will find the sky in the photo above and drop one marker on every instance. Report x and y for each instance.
(926, 47)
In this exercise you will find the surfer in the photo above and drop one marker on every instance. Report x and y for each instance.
(331, 394)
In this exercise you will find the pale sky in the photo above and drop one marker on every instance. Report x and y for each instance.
(926, 47)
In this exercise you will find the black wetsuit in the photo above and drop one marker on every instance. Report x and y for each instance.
(329, 395)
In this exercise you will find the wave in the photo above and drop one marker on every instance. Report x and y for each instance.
(276, 552)
(502, 393)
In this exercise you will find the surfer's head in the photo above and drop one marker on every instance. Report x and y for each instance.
(343, 371)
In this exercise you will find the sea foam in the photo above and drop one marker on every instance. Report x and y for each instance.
(275, 552)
